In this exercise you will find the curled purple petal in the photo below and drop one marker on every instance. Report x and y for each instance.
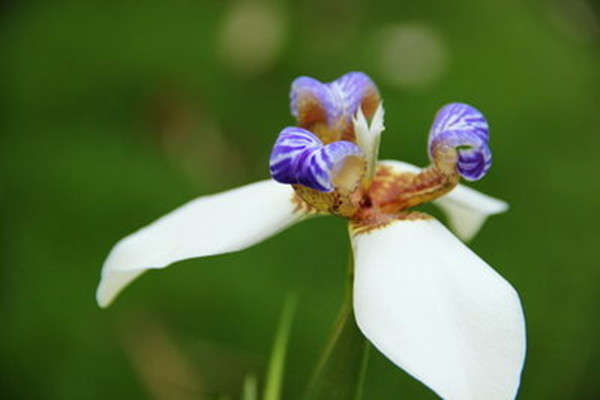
(312, 101)
(354, 89)
(334, 102)
(463, 128)
(300, 157)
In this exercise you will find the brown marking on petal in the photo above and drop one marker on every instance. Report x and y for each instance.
(370, 102)
(387, 186)
(327, 134)
(348, 134)
(310, 110)
(392, 192)
(378, 221)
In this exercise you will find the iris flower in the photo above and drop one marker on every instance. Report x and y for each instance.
(421, 296)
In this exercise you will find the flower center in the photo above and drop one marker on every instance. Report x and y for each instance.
(331, 157)
(388, 193)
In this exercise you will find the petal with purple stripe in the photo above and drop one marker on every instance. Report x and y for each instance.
(334, 102)
(312, 101)
(356, 89)
(463, 128)
(299, 157)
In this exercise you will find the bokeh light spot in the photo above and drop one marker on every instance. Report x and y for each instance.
(411, 55)
(252, 35)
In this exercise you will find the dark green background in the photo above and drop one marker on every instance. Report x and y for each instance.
(113, 113)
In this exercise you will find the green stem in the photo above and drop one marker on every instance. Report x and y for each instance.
(274, 378)
(360, 383)
(341, 370)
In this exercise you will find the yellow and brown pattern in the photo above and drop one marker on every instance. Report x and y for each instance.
(338, 202)
(384, 200)
(301, 206)
(378, 221)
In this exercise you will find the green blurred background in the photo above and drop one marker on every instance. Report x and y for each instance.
(113, 113)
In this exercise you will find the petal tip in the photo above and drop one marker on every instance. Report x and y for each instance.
(102, 299)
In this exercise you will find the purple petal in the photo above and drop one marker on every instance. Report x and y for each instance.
(465, 129)
(353, 89)
(300, 157)
(313, 101)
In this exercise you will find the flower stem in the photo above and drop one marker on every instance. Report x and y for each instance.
(341, 370)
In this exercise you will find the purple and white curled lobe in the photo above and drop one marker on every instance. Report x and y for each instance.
(462, 129)
(335, 102)
(299, 157)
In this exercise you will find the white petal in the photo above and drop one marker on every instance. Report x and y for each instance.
(209, 225)
(466, 208)
(438, 311)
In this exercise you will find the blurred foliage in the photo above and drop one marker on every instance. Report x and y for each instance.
(113, 113)
(340, 372)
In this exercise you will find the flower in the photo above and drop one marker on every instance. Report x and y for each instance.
(423, 299)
